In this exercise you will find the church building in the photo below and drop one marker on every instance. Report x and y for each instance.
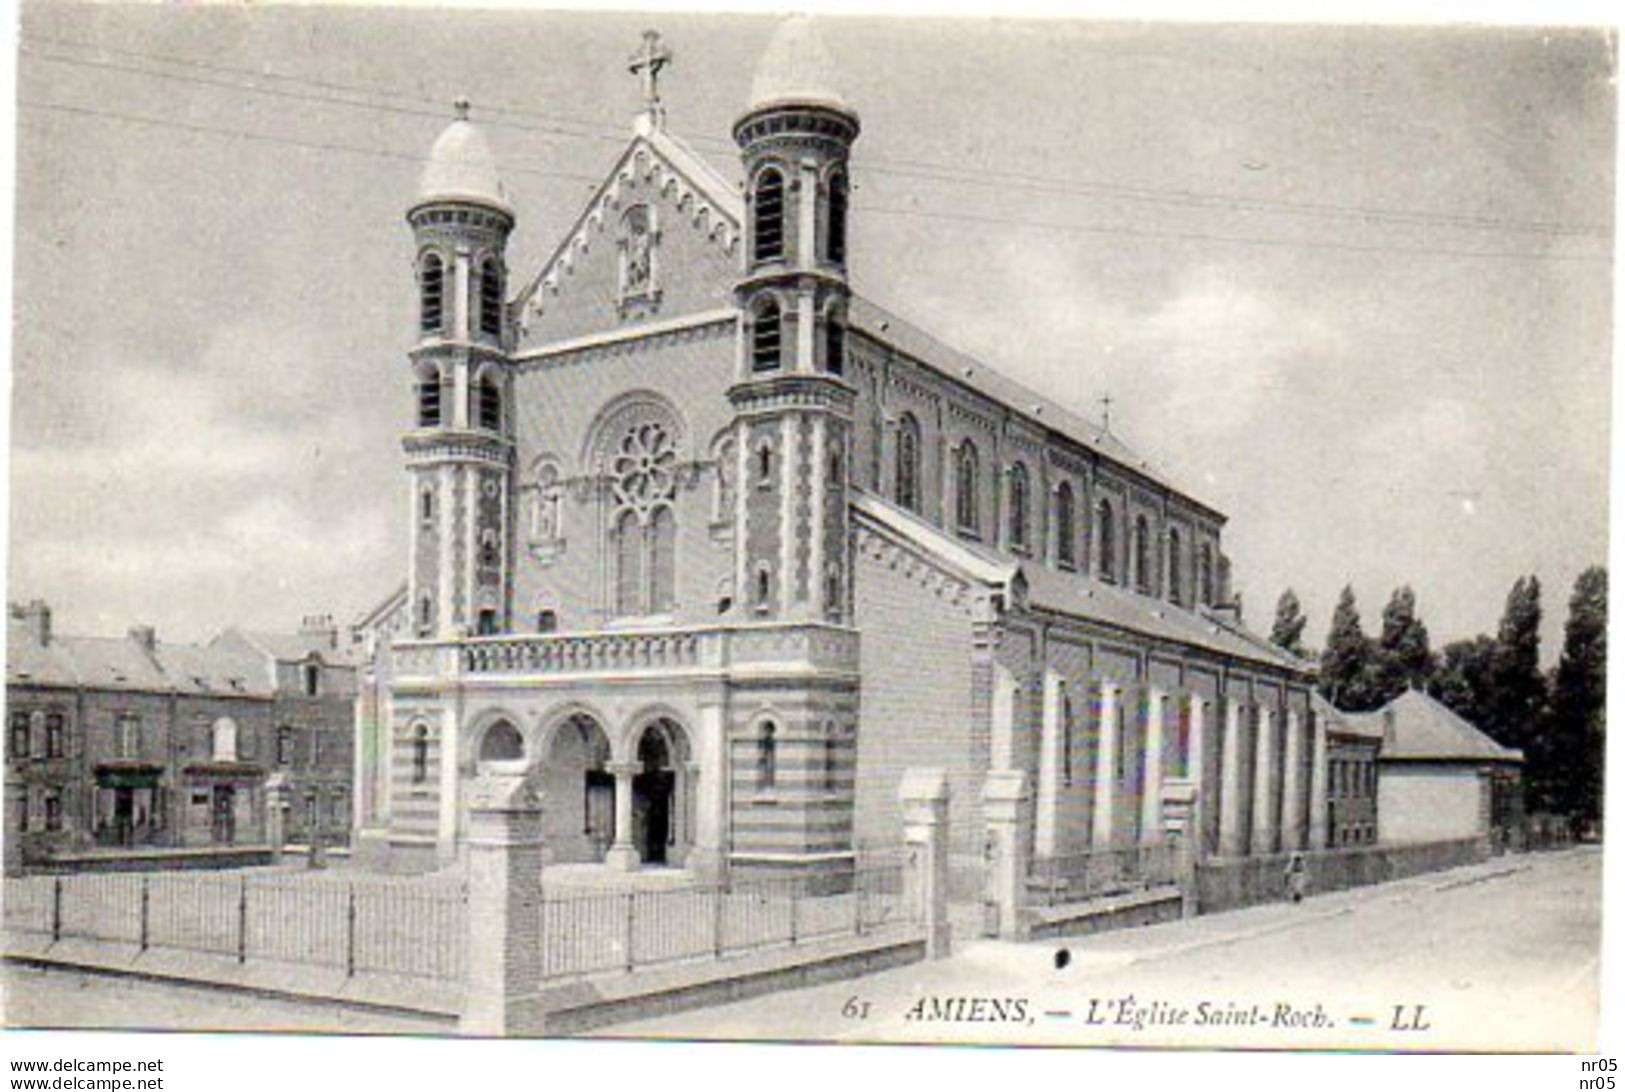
(718, 547)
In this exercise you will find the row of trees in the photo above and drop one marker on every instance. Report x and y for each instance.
(1556, 719)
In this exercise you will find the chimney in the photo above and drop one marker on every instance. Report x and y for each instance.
(320, 626)
(1388, 726)
(146, 637)
(36, 618)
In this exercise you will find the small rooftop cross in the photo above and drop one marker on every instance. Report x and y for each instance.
(460, 106)
(646, 64)
(1106, 413)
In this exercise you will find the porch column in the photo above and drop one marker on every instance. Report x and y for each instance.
(1003, 743)
(1292, 784)
(446, 850)
(708, 857)
(1049, 762)
(1151, 791)
(1230, 802)
(623, 855)
(1317, 782)
(1105, 812)
(1263, 834)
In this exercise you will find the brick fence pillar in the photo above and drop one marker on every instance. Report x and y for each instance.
(504, 906)
(924, 796)
(1181, 830)
(1004, 806)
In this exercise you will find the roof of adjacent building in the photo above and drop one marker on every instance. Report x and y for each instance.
(1416, 727)
(1079, 595)
(222, 667)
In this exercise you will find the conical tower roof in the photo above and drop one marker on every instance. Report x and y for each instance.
(462, 168)
(797, 67)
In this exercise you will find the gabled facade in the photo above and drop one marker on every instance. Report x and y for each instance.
(720, 547)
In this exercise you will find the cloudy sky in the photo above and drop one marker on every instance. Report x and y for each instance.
(1351, 286)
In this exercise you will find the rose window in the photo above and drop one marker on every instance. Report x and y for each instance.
(644, 468)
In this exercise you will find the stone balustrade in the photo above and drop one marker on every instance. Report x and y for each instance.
(745, 648)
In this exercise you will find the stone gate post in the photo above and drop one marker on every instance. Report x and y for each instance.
(924, 796)
(1004, 804)
(1184, 837)
(504, 988)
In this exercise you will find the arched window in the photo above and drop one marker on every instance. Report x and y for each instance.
(502, 743)
(838, 188)
(426, 506)
(491, 298)
(834, 346)
(767, 756)
(1142, 554)
(1020, 507)
(1108, 541)
(429, 400)
(966, 484)
(1176, 588)
(767, 334)
(432, 300)
(425, 615)
(312, 677)
(908, 462)
(764, 465)
(1065, 533)
(764, 586)
(1204, 573)
(225, 740)
(643, 535)
(488, 403)
(832, 760)
(420, 755)
(1066, 738)
(769, 215)
(547, 621)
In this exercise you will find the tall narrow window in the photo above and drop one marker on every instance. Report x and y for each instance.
(1108, 542)
(834, 347)
(769, 215)
(662, 561)
(1065, 532)
(1142, 554)
(425, 616)
(225, 740)
(764, 587)
(420, 755)
(628, 565)
(837, 216)
(767, 757)
(426, 506)
(643, 535)
(312, 679)
(1176, 586)
(55, 743)
(832, 760)
(1066, 739)
(1020, 493)
(491, 298)
(127, 735)
(908, 463)
(489, 397)
(19, 735)
(284, 746)
(432, 284)
(1204, 573)
(966, 484)
(429, 400)
(767, 334)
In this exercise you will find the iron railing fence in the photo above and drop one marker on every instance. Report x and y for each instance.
(594, 932)
(382, 926)
(1097, 873)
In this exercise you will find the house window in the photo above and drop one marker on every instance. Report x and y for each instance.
(1142, 554)
(225, 740)
(1204, 573)
(838, 192)
(429, 400)
(908, 463)
(284, 746)
(420, 755)
(767, 334)
(966, 473)
(1108, 542)
(432, 282)
(644, 533)
(312, 679)
(53, 809)
(1065, 540)
(19, 735)
(769, 215)
(127, 735)
(55, 743)
(1176, 586)
(490, 298)
(22, 810)
(489, 404)
(767, 757)
(1020, 506)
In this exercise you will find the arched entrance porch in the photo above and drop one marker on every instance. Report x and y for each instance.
(579, 818)
(661, 794)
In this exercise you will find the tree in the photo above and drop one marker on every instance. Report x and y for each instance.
(1517, 689)
(1568, 753)
(1346, 664)
(1462, 678)
(1403, 657)
(1289, 623)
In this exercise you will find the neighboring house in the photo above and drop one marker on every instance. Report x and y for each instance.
(135, 743)
(1440, 778)
(721, 547)
(1353, 744)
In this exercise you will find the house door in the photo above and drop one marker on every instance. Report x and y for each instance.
(124, 816)
(224, 814)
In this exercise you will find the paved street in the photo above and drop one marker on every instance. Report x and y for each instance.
(1501, 956)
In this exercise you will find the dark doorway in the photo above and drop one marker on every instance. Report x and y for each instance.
(598, 810)
(124, 816)
(652, 789)
(223, 814)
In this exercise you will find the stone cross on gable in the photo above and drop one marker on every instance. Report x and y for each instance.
(646, 64)
(1106, 413)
